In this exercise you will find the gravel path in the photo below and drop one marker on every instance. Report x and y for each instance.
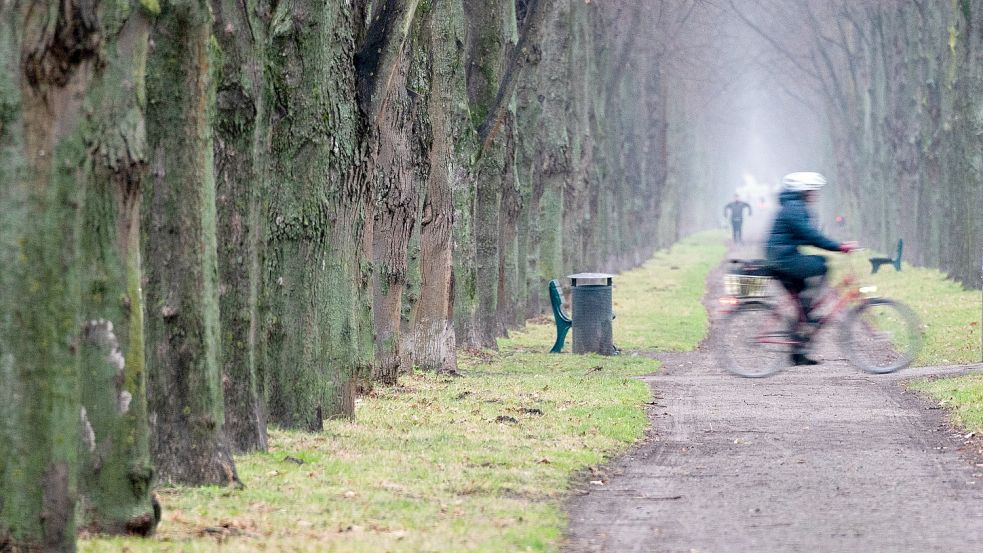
(822, 458)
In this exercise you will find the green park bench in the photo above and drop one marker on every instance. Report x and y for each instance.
(563, 322)
(876, 262)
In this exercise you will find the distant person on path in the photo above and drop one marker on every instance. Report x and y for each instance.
(801, 275)
(736, 209)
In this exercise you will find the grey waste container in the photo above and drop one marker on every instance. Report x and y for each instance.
(592, 313)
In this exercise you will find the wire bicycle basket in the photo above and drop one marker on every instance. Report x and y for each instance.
(747, 279)
(746, 286)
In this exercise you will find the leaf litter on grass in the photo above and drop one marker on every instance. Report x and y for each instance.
(428, 466)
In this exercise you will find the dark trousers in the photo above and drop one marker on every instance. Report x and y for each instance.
(794, 270)
(736, 228)
(803, 276)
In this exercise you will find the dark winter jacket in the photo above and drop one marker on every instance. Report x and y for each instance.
(736, 209)
(793, 228)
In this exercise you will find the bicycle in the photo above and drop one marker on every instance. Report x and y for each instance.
(878, 335)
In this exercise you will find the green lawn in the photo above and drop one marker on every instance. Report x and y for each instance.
(962, 397)
(950, 317)
(475, 463)
(657, 306)
(950, 314)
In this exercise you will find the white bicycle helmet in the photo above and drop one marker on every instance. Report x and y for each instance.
(803, 181)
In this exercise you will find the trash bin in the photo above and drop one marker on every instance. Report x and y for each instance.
(592, 313)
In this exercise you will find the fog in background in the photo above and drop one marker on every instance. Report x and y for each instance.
(757, 118)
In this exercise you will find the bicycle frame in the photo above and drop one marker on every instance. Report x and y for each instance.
(844, 294)
(876, 334)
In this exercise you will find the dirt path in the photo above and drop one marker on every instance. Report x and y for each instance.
(821, 458)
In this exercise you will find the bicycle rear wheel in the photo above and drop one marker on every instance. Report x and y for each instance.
(754, 340)
(881, 336)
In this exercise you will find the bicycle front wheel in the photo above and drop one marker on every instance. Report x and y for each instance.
(881, 336)
(754, 340)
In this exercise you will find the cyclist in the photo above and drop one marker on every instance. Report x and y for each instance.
(802, 275)
(736, 209)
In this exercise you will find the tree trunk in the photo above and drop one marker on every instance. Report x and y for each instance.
(509, 293)
(544, 151)
(116, 472)
(382, 68)
(435, 342)
(43, 155)
(241, 157)
(490, 35)
(319, 329)
(184, 383)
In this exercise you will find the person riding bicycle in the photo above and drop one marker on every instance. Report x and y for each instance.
(802, 275)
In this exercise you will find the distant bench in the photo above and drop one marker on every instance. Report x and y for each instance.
(876, 262)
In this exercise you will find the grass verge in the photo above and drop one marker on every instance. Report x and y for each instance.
(961, 396)
(476, 463)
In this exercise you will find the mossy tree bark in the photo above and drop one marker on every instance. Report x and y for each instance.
(462, 147)
(115, 470)
(491, 34)
(543, 154)
(241, 173)
(185, 397)
(48, 55)
(319, 328)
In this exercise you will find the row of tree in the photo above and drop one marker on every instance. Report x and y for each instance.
(215, 215)
(897, 86)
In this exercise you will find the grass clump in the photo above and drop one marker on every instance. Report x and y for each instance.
(962, 396)
(438, 463)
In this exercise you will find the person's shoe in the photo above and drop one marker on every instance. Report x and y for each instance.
(801, 359)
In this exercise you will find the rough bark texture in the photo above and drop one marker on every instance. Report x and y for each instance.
(184, 383)
(435, 340)
(383, 65)
(241, 164)
(543, 155)
(48, 53)
(115, 466)
(319, 328)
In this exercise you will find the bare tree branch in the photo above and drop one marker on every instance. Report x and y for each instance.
(792, 58)
(532, 27)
